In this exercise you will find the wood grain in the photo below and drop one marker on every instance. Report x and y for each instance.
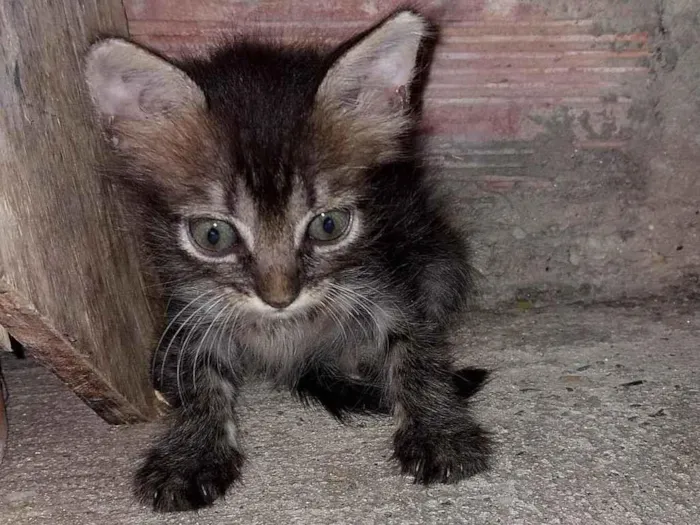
(73, 286)
(57, 353)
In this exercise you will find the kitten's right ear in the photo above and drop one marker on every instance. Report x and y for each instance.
(128, 83)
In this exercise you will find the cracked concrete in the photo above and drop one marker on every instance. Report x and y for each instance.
(595, 410)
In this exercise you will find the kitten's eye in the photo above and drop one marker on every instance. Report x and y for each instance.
(329, 225)
(213, 236)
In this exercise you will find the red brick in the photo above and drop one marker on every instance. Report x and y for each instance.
(288, 10)
(477, 123)
(495, 69)
(549, 60)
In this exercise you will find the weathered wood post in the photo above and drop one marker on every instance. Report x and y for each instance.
(71, 287)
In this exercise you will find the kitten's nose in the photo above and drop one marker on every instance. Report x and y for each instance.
(278, 288)
(280, 303)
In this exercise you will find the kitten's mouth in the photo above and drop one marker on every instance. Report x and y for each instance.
(301, 308)
(282, 319)
(279, 314)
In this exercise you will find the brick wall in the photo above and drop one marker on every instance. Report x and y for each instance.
(531, 111)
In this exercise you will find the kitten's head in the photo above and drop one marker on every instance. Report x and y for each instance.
(262, 166)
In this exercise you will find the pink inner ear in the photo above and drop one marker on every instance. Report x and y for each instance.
(395, 66)
(127, 82)
(378, 70)
(121, 99)
(403, 96)
(397, 98)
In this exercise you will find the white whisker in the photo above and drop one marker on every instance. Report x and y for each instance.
(350, 308)
(201, 344)
(170, 324)
(219, 344)
(183, 347)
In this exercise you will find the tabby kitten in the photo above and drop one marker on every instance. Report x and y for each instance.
(282, 196)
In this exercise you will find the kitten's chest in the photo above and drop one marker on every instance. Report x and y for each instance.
(287, 347)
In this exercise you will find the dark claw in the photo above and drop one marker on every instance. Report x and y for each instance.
(441, 455)
(178, 482)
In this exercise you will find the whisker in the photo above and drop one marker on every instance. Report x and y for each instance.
(202, 319)
(179, 330)
(360, 300)
(349, 306)
(330, 309)
(222, 329)
(232, 329)
(201, 344)
(167, 328)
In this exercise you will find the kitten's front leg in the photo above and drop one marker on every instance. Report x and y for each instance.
(196, 460)
(437, 439)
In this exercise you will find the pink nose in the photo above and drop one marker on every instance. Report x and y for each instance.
(278, 288)
(279, 303)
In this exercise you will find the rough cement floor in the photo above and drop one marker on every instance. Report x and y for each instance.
(595, 409)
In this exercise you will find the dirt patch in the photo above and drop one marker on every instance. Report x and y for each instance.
(616, 223)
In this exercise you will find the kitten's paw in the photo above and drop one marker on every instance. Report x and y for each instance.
(441, 455)
(173, 482)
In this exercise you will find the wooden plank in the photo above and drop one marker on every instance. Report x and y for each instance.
(73, 286)
(57, 353)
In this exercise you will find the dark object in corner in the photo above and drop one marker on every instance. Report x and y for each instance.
(18, 350)
(3, 415)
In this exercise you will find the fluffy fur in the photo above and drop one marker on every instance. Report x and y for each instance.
(265, 138)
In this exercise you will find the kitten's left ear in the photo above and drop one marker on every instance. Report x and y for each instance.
(375, 75)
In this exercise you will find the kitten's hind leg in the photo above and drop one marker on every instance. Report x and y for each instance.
(198, 457)
(339, 393)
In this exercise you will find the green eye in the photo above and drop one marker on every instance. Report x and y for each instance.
(329, 225)
(212, 236)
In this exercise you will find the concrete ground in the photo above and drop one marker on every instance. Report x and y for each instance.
(595, 410)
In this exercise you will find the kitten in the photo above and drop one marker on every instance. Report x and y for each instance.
(283, 198)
